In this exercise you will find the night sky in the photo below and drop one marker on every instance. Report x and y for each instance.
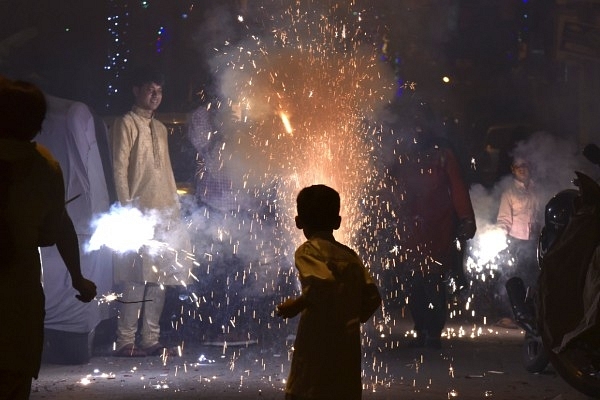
(65, 46)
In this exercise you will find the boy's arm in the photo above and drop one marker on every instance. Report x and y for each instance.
(308, 268)
(291, 307)
(370, 302)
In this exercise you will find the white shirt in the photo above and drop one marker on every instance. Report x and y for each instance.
(519, 211)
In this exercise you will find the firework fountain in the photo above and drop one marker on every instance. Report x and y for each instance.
(304, 94)
(301, 96)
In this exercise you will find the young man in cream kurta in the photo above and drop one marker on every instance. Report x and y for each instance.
(144, 179)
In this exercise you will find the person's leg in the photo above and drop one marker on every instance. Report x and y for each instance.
(154, 301)
(417, 304)
(14, 385)
(527, 263)
(436, 311)
(127, 323)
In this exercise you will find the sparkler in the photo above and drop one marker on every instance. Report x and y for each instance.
(488, 245)
(73, 198)
(128, 229)
(110, 297)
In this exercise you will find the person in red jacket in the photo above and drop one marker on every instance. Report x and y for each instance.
(437, 212)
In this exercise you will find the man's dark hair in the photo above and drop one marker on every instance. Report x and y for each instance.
(22, 110)
(318, 207)
(146, 74)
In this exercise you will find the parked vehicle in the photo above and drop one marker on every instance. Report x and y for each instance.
(557, 215)
(562, 318)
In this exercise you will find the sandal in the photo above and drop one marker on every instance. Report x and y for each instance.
(158, 349)
(130, 350)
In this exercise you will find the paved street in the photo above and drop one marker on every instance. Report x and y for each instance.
(475, 362)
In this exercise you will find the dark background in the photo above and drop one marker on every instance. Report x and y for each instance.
(506, 58)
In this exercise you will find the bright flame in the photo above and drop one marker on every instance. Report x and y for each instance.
(122, 229)
(491, 243)
(286, 122)
(110, 297)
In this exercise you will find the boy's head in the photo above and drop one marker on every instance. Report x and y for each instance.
(22, 110)
(318, 208)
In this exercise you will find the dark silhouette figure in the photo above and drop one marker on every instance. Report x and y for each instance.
(338, 294)
(32, 214)
(437, 212)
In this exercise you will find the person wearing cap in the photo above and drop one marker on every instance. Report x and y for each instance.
(519, 216)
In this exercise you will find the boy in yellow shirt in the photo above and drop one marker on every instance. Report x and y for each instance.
(338, 294)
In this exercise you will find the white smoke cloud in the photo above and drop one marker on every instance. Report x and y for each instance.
(125, 229)
(122, 229)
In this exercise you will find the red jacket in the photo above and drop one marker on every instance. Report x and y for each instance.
(435, 199)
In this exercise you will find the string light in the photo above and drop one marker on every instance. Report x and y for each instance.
(117, 24)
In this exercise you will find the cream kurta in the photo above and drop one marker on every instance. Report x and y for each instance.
(144, 178)
(143, 173)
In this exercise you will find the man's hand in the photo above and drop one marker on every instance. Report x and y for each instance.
(466, 229)
(86, 289)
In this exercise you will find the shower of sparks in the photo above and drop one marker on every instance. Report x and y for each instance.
(317, 68)
(127, 229)
(488, 245)
(299, 94)
(320, 72)
(308, 103)
(110, 297)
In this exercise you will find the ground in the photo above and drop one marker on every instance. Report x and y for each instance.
(475, 362)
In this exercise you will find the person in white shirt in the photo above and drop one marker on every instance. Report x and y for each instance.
(519, 213)
(520, 216)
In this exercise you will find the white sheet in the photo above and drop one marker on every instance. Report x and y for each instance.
(68, 131)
